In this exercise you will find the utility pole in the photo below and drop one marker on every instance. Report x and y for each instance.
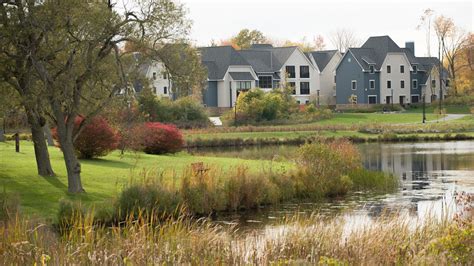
(424, 108)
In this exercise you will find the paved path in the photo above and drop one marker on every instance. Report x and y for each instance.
(448, 117)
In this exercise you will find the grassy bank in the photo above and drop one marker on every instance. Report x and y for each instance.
(102, 178)
(389, 240)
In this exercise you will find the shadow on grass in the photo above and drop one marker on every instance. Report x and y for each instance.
(106, 163)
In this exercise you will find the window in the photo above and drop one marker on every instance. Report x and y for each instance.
(402, 84)
(154, 75)
(402, 69)
(164, 75)
(290, 71)
(165, 90)
(415, 99)
(371, 69)
(372, 84)
(372, 99)
(243, 85)
(304, 88)
(389, 84)
(415, 69)
(433, 83)
(354, 85)
(292, 85)
(304, 71)
(265, 82)
(415, 84)
(389, 69)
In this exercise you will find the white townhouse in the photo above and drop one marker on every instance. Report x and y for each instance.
(232, 71)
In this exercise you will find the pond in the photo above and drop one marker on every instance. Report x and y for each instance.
(430, 174)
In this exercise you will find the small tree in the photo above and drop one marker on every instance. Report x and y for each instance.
(96, 139)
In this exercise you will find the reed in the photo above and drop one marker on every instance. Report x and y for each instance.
(390, 239)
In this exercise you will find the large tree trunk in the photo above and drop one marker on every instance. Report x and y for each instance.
(43, 162)
(65, 129)
(73, 167)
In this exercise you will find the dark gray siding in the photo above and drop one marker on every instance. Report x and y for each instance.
(421, 77)
(345, 73)
(367, 90)
(210, 94)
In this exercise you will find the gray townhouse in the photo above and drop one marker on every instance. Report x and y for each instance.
(380, 72)
(232, 71)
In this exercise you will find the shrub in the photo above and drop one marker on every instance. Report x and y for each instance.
(157, 138)
(185, 112)
(256, 105)
(323, 168)
(9, 205)
(69, 212)
(151, 199)
(96, 139)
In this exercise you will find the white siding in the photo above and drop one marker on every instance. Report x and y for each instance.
(160, 82)
(298, 59)
(328, 84)
(395, 60)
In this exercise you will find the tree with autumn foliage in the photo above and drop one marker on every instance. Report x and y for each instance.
(452, 40)
(245, 38)
(317, 44)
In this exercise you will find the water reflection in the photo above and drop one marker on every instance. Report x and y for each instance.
(430, 174)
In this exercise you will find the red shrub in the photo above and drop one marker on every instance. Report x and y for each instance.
(96, 139)
(157, 138)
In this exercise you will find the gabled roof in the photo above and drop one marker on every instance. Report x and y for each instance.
(322, 58)
(241, 76)
(218, 59)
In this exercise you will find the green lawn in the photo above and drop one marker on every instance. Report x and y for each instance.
(102, 178)
(450, 109)
(370, 118)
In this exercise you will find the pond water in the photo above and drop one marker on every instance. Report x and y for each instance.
(430, 174)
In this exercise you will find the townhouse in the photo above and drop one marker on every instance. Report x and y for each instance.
(232, 71)
(380, 72)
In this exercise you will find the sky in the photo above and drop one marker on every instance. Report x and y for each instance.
(297, 19)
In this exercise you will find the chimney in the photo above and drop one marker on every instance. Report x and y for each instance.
(410, 46)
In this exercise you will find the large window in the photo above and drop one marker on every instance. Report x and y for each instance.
(354, 85)
(402, 84)
(372, 99)
(243, 85)
(304, 71)
(265, 82)
(372, 84)
(402, 69)
(292, 86)
(304, 88)
(389, 69)
(290, 72)
(389, 84)
(415, 84)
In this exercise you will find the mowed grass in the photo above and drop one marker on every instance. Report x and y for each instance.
(450, 109)
(102, 178)
(380, 118)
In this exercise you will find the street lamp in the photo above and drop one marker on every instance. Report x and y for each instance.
(423, 92)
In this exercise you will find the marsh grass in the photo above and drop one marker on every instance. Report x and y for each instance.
(390, 239)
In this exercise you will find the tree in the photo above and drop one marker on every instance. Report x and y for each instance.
(343, 39)
(451, 41)
(183, 64)
(306, 46)
(464, 66)
(78, 59)
(17, 40)
(425, 21)
(245, 38)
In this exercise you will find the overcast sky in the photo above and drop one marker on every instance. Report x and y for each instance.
(295, 19)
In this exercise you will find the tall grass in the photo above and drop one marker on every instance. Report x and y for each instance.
(138, 241)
